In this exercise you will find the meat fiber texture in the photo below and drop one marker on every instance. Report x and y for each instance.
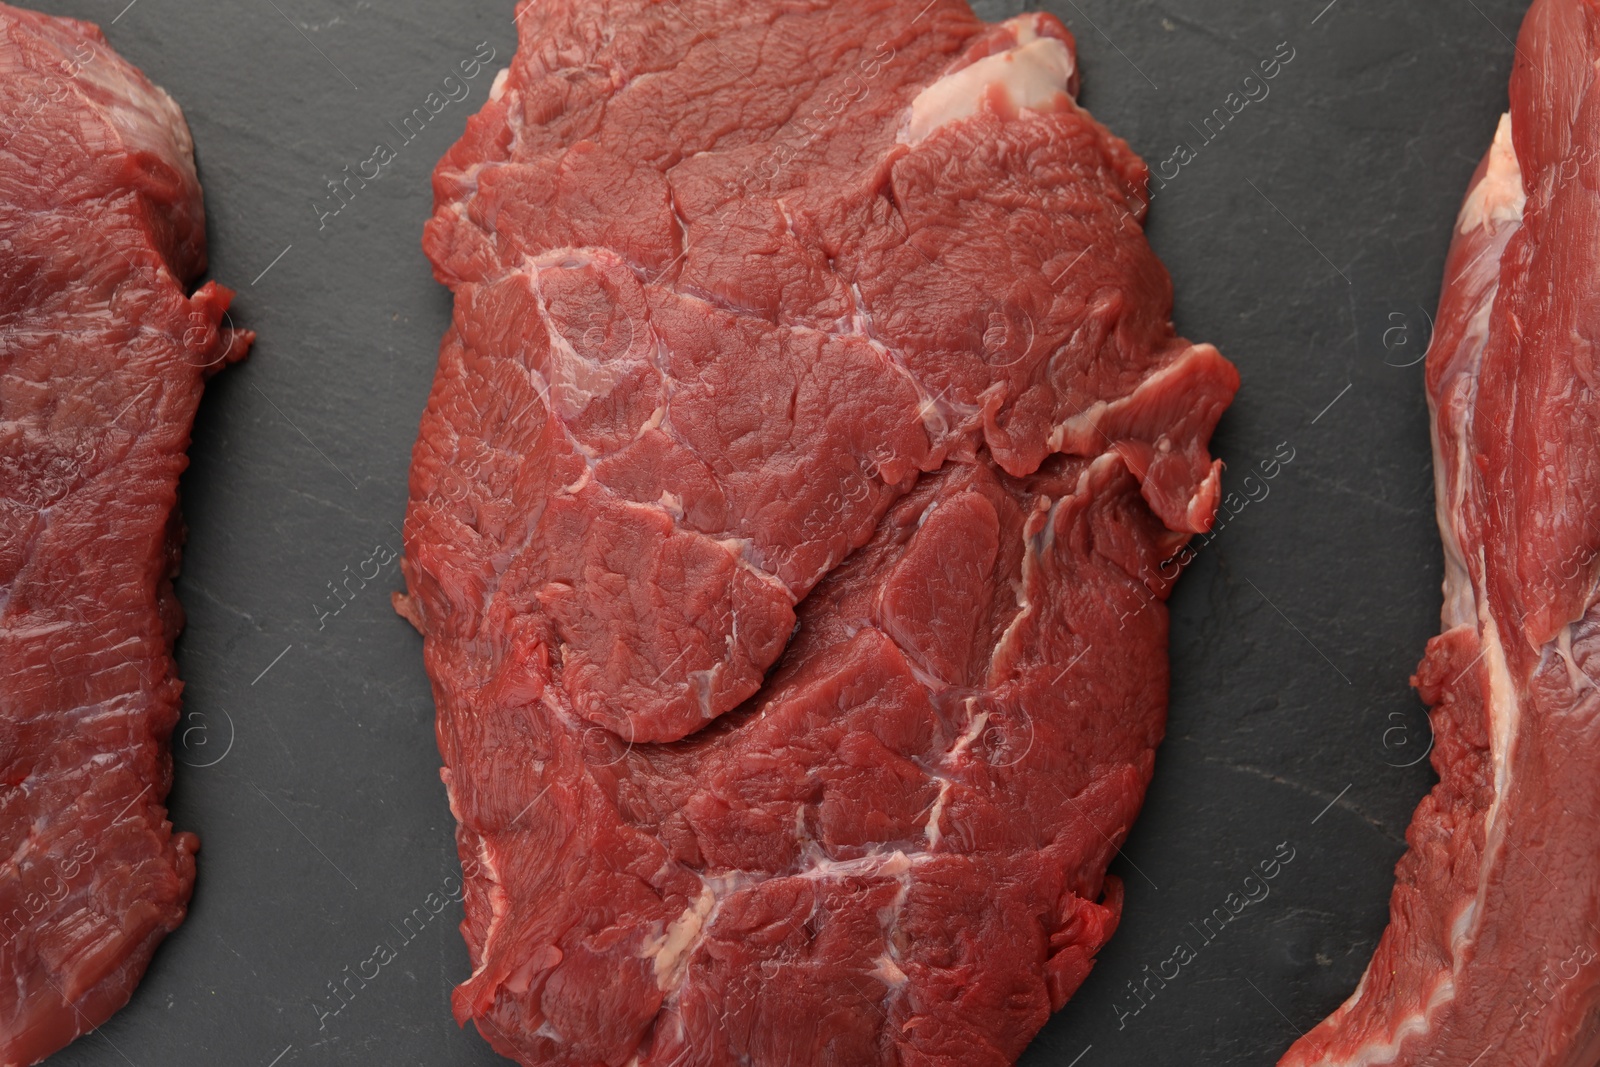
(102, 359)
(790, 529)
(1492, 954)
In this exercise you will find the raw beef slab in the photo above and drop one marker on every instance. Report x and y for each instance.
(1492, 955)
(790, 529)
(102, 359)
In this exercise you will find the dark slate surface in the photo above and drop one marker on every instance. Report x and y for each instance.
(1306, 240)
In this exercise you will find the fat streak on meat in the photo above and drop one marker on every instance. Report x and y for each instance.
(1492, 954)
(102, 358)
(790, 529)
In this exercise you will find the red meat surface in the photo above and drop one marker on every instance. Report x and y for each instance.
(790, 529)
(1492, 954)
(102, 359)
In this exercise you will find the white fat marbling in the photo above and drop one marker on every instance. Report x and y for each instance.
(1033, 75)
(1499, 198)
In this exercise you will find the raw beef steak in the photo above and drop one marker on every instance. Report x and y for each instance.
(102, 359)
(790, 527)
(1492, 955)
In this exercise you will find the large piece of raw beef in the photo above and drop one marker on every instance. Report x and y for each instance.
(790, 528)
(1492, 955)
(102, 358)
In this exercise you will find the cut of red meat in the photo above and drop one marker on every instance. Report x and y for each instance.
(787, 530)
(102, 359)
(1492, 955)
